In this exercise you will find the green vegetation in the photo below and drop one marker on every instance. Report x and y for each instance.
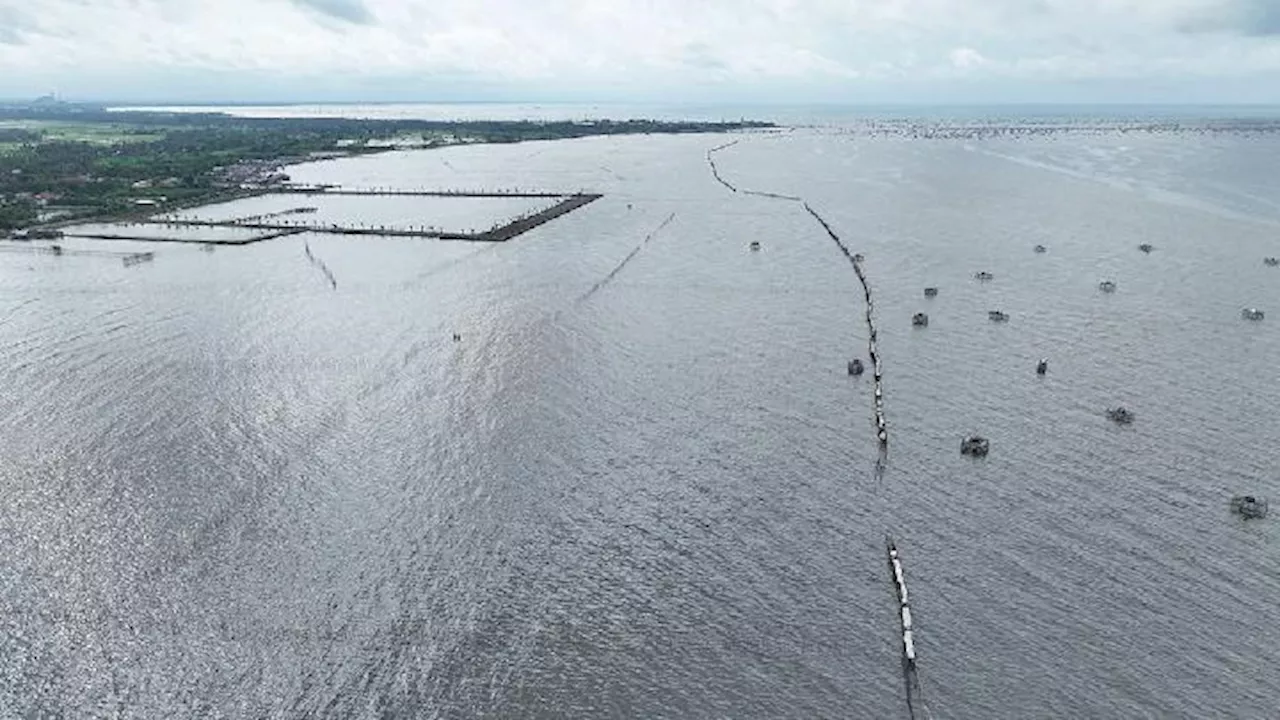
(17, 213)
(54, 130)
(101, 163)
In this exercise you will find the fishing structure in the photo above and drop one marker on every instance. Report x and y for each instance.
(877, 370)
(280, 213)
(320, 264)
(128, 259)
(1249, 507)
(630, 256)
(500, 232)
(273, 225)
(910, 669)
(975, 445)
(900, 584)
(775, 196)
(1121, 415)
(915, 694)
(882, 429)
(715, 171)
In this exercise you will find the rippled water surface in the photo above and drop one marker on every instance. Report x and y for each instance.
(642, 484)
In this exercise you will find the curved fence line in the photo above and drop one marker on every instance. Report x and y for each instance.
(914, 688)
(873, 349)
(882, 428)
(715, 171)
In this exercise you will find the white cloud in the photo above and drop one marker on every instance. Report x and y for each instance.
(965, 58)
(307, 48)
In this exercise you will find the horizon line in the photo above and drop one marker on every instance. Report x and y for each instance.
(117, 103)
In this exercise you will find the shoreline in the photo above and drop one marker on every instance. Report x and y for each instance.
(292, 159)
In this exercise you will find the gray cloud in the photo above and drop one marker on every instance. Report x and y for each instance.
(801, 50)
(702, 55)
(1255, 18)
(1262, 17)
(14, 24)
(352, 11)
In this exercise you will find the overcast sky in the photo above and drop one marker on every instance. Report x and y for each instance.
(644, 50)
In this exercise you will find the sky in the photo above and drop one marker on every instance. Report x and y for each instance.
(676, 51)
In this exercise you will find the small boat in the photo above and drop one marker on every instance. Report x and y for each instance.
(997, 316)
(1041, 249)
(975, 445)
(984, 276)
(920, 320)
(1107, 286)
(1146, 247)
(1042, 367)
(1271, 261)
(856, 367)
(931, 292)
(1250, 507)
(755, 245)
(857, 257)
(1252, 314)
(1121, 415)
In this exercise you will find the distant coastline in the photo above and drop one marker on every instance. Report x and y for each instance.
(782, 114)
(63, 162)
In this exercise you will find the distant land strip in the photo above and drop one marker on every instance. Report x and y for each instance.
(67, 163)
